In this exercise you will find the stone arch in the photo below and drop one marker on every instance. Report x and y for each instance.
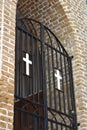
(54, 14)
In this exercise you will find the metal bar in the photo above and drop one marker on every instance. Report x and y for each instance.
(21, 121)
(44, 41)
(59, 101)
(46, 28)
(73, 96)
(57, 60)
(63, 85)
(61, 68)
(53, 121)
(48, 60)
(38, 125)
(56, 49)
(29, 33)
(29, 113)
(66, 128)
(70, 82)
(72, 88)
(37, 66)
(16, 63)
(67, 86)
(33, 69)
(56, 126)
(57, 57)
(51, 125)
(28, 120)
(40, 67)
(27, 86)
(29, 101)
(69, 78)
(53, 79)
(57, 89)
(59, 112)
(43, 78)
(20, 65)
(32, 24)
(61, 127)
(33, 125)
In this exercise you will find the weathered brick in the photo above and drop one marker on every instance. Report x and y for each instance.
(68, 20)
(2, 125)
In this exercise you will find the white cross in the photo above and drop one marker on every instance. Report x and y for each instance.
(27, 63)
(59, 77)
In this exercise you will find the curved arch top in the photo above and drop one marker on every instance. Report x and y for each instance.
(42, 32)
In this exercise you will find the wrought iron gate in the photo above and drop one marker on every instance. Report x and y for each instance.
(44, 92)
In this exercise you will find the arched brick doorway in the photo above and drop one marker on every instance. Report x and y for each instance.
(44, 92)
(9, 41)
(36, 12)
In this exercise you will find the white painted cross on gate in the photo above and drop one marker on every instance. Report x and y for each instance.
(59, 77)
(27, 63)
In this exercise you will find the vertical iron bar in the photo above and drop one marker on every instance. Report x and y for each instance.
(57, 59)
(21, 121)
(33, 125)
(63, 85)
(43, 77)
(53, 79)
(37, 59)
(63, 98)
(61, 127)
(27, 86)
(21, 69)
(65, 127)
(38, 125)
(56, 126)
(51, 125)
(69, 71)
(28, 121)
(73, 95)
(50, 97)
(16, 62)
(33, 69)
(67, 87)
(59, 103)
(59, 91)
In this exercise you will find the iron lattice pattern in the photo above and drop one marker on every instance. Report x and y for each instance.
(42, 101)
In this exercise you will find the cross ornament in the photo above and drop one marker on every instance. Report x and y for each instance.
(59, 77)
(27, 63)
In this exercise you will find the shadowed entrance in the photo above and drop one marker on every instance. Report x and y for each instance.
(44, 93)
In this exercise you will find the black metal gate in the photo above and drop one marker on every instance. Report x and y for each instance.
(44, 92)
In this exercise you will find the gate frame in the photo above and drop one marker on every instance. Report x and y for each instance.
(42, 29)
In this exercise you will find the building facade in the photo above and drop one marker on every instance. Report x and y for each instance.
(67, 19)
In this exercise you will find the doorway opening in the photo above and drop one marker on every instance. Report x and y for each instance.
(44, 93)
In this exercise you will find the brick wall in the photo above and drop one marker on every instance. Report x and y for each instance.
(67, 19)
(1, 32)
(77, 15)
(7, 51)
